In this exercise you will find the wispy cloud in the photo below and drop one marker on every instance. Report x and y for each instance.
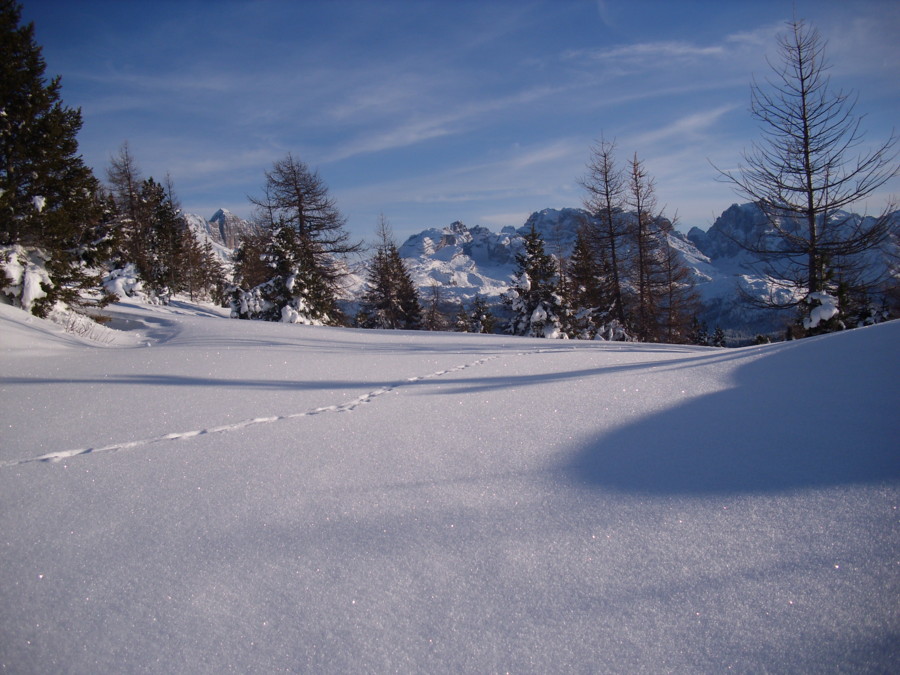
(687, 128)
(418, 127)
(648, 53)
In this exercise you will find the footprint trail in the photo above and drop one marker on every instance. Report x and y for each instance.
(61, 455)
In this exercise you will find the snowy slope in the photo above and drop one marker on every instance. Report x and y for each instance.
(256, 497)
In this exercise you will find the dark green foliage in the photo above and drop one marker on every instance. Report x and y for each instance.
(534, 297)
(481, 317)
(390, 299)
(250, 266)
(49, 199)
(478, 319)
(294, 293)
(153, 235)
(585, 291)
(718, 338)
(698, 333)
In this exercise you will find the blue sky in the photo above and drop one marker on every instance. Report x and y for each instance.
(429, 112)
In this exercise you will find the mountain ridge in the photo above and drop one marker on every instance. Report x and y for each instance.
(465, 261)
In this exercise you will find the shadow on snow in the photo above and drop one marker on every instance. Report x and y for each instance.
(797, 418)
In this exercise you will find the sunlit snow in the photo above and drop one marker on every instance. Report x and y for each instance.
(190, 493)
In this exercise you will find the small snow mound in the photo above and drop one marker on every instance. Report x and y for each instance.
(826, 309)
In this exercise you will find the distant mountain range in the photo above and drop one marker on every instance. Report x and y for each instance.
(464, 261)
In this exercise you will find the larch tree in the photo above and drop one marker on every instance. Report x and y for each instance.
(646, 264)
(123, 177)
(306, 242)
(805, 170)
(678, 302)
(605, 184)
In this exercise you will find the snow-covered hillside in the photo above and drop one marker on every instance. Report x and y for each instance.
(197, 494)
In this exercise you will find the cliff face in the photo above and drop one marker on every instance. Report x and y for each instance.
(228, 227)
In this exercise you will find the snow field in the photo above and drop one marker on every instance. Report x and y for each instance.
(380, 501)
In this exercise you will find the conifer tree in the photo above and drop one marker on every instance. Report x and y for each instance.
(462, 323)
(434, 318)
(164, 242)
(250, 265)
(537, 307)
(718, 338)
(678, 302)
(390, 299)
(50, 202)
(803, 173)
(304, 244)
(646, 270)
(124, 179)
(584, 290)
(698, 333)
(606, 187)
(481, 319)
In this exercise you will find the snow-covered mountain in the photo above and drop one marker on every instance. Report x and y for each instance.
(464, 261)
(223, 231)
(732, 263)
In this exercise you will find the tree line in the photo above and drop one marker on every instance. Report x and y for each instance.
(60, 227)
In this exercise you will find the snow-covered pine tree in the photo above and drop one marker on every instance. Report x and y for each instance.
(534, 300)
(481, 319)
(164, 241)
(462, 323)
(295, 293)
(55, 225)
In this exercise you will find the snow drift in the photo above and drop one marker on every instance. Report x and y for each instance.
(205, 495)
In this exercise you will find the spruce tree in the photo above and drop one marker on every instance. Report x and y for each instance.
(49, 199)
(462, 323)
(390, 299)
(585, 293)
(481, 319)
(534, 299)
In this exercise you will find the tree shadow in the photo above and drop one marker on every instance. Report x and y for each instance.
(818, 416)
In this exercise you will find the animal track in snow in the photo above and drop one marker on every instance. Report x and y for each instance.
(184, 435)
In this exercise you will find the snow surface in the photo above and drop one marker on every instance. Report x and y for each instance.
(211, 495)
